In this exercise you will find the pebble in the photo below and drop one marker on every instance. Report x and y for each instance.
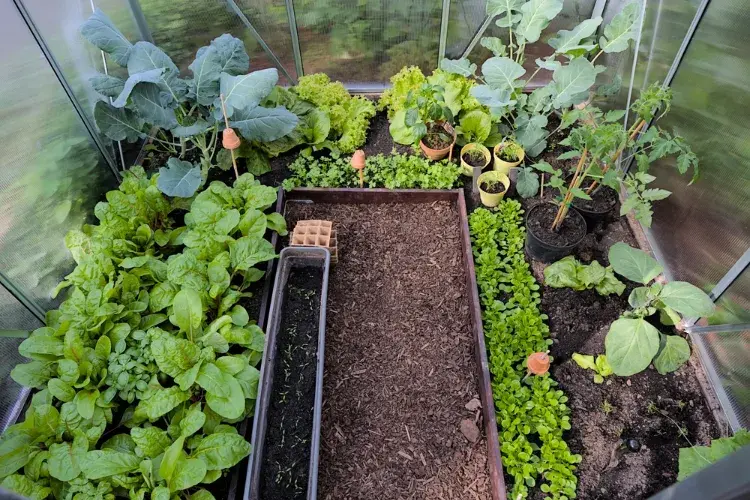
(470, 430)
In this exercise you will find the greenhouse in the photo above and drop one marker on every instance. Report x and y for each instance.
(427, 249)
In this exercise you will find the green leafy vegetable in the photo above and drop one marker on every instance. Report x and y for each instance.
(569, 273)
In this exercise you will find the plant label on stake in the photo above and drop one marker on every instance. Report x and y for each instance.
(358, 163)
(229, 138)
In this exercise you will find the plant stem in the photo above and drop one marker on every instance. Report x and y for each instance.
(633, 134)
(532, 76)
(510, 36)
(597, 56)
(562, 212)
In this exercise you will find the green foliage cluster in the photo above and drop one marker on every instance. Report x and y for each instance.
(151, 349)
(632, 343)
(569, 273)
(696, 458)
(349, 116)
(396, 171)
(600, 365)
(411, 90)
(531, 411)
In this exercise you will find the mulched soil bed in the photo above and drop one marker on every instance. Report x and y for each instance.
(290, 415)
(399, 361)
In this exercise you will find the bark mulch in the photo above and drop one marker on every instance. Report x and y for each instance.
(399, 365)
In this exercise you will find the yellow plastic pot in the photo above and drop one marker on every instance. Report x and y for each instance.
(502, 165)
(492, 199)
(467, 169)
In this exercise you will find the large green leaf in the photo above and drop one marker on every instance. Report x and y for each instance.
(264, 124)
(173, 355)
(498, 101)
(502, 73)
(26, 487)
(462, 67)
(151, 76)
(151, 441)
(630, 345)
(160, 403)
(15, 452)
(42, 347)
(475, 126)
(63, 460)
(118, 124)
(231, 406)
(104, 463)
(503, 8)
(248, 251)
(146, 56)
(567, 41)
(226, 54)
(107, 85)
(635, 265)
(33, 374)
(246, 91)
(536, 17)
(674, 352)
(399, 131)
(622, 29)
(222, 450)
(179, 178)
(99, 30)
(696, 458)
(687, 299)
(196, 128)
(147, 101)
(527, 184)
(187, 473)
(211, 379)
(188, 311)
(572, 82)
(530, 133)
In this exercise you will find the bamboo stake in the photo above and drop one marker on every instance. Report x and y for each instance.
(231, 151)
(563, 210)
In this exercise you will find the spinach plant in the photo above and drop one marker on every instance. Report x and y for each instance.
(632, 342)
(503, 78)
(151, 349)
(185, 113)
(569, 273)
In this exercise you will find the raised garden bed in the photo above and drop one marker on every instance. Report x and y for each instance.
(408, 409)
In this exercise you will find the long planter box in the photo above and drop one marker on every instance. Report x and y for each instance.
(375, 196)
(291, 258)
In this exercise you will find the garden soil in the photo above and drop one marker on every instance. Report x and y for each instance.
(399, 367)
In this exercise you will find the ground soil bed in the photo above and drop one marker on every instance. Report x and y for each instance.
(399, 365)
(286, 457)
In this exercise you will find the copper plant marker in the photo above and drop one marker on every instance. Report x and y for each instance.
(229, 138)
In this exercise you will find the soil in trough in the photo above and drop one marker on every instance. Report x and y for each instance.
(400, 366)
(286, 458)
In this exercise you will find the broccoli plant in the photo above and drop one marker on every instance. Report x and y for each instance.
(632, 343)
(178, 113)
(503, 76)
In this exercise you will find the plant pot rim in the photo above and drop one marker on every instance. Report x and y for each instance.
(587, 211)
(574, 213)
(476, 146)
(499, 177)
(448, 128)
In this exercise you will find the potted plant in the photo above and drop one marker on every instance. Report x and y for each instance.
(438, 141)
(474, 155)
(492, 187)
(508, 154)
(598, 142)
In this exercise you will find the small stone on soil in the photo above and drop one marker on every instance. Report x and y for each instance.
(470, 430)
(473, 405)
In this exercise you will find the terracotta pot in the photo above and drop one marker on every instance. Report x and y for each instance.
(467, 169)
(439, 154)
(502, 165)
(492, 199)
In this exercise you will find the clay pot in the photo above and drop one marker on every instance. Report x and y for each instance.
(467, 169)
(492, 199)
(502, 165)
(229, 139)
(439, 154)
(538, 363)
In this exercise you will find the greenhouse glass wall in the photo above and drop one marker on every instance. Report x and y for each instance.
(57, 164)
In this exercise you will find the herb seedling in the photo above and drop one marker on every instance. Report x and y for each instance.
(600, 366)
(607, 407)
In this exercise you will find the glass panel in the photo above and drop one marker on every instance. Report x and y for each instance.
(181, 27)
(701, 230)
(729, 357)
(572, 14)
(51, 175)
(367, 42)
(733, 307)
(466, 17)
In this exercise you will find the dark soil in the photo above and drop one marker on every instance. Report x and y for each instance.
(494, 188)
(286, 458)
(399, 357)
(474, 158)
(602, 200)
(436, 137)
(540, 220)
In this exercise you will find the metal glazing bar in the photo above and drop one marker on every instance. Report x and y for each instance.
(654, 37)
(734, 272)
(444, 30)
(140, 20)
(477, 36)
(260, 40)
(29, 304)
(293, 31)
(65, 85)
(703, 330)
(599, 8)
(636, 49)
(713, 376)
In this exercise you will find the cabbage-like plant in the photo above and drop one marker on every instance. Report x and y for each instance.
(632, 343)
(185, 112)
(503, 76)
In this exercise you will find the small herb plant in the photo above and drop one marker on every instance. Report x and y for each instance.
(632, 343)
(396, 171)
(600, 366)
(695, 458)
(569, 273)
(600, 141)
(532, 414)
(474, 157)
(425, 111)
(511, 152)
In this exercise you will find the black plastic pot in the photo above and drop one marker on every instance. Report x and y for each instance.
(289, 259)
(592, 217)
(548, 252)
